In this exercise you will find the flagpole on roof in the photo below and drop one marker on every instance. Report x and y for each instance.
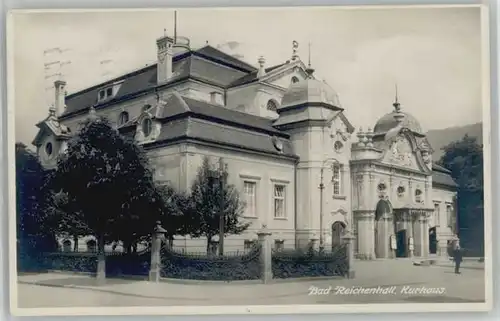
(175, 26)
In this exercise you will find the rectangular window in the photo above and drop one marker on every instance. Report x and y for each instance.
(337, 179)
(250, 195)
(109, 92)
(279, 201)
(449, 215)
(101, 94)
(279, 245)
(437, 214)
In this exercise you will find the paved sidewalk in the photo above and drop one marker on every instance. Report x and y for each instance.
(65, 290)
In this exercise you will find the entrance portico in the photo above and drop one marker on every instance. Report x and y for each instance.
(406, 226)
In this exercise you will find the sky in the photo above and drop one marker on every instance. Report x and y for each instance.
(432, 54)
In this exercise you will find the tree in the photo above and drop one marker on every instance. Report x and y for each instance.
(33, 236)
(176, 214)
(464, 158)
(205, 206)
(107, 185)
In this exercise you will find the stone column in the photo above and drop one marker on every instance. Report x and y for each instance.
(411, 234)
(425, 234)
(386, 235)
(266, 272)
(417, 236)
(365, 196)
(366, 235)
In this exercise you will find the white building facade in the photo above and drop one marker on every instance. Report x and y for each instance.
(288, 146)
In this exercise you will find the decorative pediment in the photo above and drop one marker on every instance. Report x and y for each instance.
(51, 127)
(282, 76)
(402, 150)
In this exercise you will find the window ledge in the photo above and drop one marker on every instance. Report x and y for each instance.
(339, 197)
(281, 218)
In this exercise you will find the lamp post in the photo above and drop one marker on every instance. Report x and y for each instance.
(218, 176)
(321, 189)
(158, 237)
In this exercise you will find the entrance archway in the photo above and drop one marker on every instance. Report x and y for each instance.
(337, 233)
(432, 240)
(383, 231)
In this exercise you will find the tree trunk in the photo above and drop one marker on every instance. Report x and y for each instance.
(75, 243)
(101, 260)
(127, 247)
(209, 238)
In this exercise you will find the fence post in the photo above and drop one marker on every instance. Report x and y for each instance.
(154, 269)
(266, 272)
(348, 240)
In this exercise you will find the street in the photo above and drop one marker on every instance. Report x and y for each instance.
(383, 281)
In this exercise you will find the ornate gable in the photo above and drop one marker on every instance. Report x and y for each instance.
(51, 127)
(403, 150)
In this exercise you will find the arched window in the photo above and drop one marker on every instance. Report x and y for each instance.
(49, 149)
(418, 196)
(91, 246)
(66, 246)
(295, 80)
(123, 118)
(147, 126)
(271, 105)
(401, 191)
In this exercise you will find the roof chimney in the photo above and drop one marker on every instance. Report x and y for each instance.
(262, 68)
(164, 67)
(60, 97)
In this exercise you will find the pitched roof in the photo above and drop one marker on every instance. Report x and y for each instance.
(187, 118)
(442, 176)
(206, 64)
(176, 105)
(206, 131)
(252, 77)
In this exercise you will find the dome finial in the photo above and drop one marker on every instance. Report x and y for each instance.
(397, 105)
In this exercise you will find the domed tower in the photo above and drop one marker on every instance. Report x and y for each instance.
(320, 133)
(392, 169)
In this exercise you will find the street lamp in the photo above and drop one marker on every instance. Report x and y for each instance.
(321, 188)
(158, 236)
(219, 176)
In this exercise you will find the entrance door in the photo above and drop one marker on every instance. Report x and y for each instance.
(401, 242)
(337, 232)
(432, 240)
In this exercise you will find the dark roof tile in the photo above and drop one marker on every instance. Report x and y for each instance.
(238, 118)
(249, 78)
(206, 64)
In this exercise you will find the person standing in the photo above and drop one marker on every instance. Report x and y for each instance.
(457, 257)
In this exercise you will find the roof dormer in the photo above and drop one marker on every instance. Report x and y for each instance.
(108, 92)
